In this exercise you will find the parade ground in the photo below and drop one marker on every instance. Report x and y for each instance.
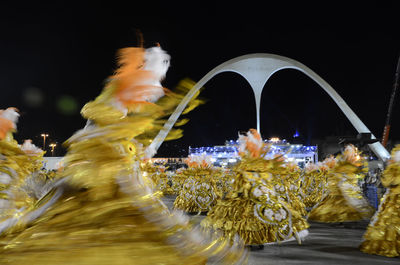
(326, 244)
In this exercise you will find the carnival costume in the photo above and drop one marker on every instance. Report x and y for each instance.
(159, 177)
(178, 178)
(344, 200)
(223, 179)
(251, 209)
(292, 182)
(383, 233)
(313, 185)
(102, 211)
(22, 182)
(199, 191)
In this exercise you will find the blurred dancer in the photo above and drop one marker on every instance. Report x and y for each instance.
(102, 211)
(383, 233)
(292, 182)
(22, 182)
(344, 200)
(312, 185)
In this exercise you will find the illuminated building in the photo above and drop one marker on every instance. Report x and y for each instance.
(227, 155)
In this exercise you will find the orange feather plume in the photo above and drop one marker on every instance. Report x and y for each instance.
(133, 82)
(8, 120)
(5, 126)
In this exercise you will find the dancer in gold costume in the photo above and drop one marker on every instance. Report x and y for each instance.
(224, 178)
(22, 183)
(344, 200)
(251, 208)
(292, 182)
(199, 192)
(312, 185)
(158, 175)
(383, 233)
(101, 211)
(315, 183)
(178, 178)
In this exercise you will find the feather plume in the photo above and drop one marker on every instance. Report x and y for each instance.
(30, 149)
(8, 121)
(250, 144)
(139, 74)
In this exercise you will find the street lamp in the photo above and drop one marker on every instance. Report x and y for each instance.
(52, 145)
(44, 135)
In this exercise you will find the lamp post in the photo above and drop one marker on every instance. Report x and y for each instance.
(44, 135)
(52, 145)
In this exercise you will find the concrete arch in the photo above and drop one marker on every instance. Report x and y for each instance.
(257, 68)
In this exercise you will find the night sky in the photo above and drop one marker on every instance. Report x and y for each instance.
(55, 58)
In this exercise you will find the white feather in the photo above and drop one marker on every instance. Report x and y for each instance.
(29, 148)
(10, 114)
(157, 61)
(251, 138)
(242, 143)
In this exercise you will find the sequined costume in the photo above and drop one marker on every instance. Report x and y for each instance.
(199, 192)
(383, 233)
(102, 210)
(22, 182)
(292, 182)
(344, 200)
(223, 179)
(251, 209)
(177, 179)
(159, 177)
(313, 185)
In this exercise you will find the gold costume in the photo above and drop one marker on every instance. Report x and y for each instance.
(102, 209)
(251, 209)
(177, 179)
(383, 233)
(199, 191)
(159, 177)
(344, 200)
(313, 185)
(223, 179)
(292, 182)
(22, 182)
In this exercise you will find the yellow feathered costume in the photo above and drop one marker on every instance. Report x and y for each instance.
(383, 233)
(102, 210)
(199, 191)
(20, 172)
(252, 209)
(344, 200)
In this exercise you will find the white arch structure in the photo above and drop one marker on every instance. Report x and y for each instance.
(257, 69)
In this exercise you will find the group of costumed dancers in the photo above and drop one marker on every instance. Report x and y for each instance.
(271, 201)
(104, 204)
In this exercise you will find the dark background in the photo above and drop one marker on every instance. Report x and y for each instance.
(54, 58)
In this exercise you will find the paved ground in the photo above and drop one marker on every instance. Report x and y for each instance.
(326, 244)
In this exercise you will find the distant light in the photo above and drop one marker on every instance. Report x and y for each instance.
(67, 105)
(33, 97)
(296, 134)
(274, 139)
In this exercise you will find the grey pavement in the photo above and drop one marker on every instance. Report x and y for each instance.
(325, 244)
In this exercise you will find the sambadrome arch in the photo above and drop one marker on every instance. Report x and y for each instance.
(257, 69)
